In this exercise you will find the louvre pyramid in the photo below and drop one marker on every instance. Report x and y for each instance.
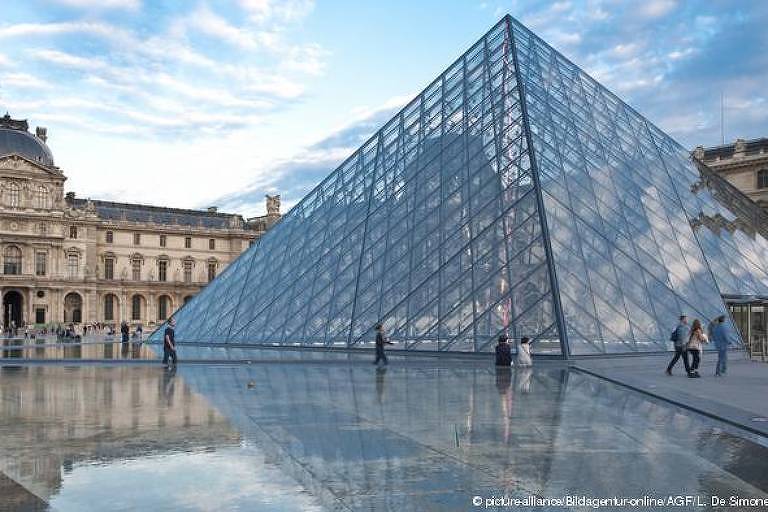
(515, 194)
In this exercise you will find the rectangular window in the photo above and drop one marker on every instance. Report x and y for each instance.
(109, 307)
(73, 261)
(211, 271)
(109, 268)
(137, 239)
(187, 242)
(162, 240)
(109, 237)
(39, 315)
(762, 178)
(212, 244)
(136, 270)
(162, 270)
(72, 231)
(187, 271)
(41, 263)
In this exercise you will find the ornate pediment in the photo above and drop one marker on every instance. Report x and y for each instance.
(20, 164)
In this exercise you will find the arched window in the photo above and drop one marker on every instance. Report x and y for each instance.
(42, 197)
(12, 260)
(762, 178)
(163, 307)
(136, 307)
(73, 308)
(12, 193)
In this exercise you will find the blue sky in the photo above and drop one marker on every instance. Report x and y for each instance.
(191, 103)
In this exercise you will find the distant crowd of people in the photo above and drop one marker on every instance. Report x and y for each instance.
(70, 330)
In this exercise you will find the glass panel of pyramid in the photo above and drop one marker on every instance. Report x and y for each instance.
(514, 195)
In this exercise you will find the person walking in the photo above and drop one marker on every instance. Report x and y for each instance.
(381, 340)
(139, 332)
(524, 352)
(124, 331)
(169, 343)
(694, 347)
(680, 338)
(503, 352)
(722, 336)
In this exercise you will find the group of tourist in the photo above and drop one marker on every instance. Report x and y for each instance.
(690, 341)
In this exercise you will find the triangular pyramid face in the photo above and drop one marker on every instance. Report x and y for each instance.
(514, 195)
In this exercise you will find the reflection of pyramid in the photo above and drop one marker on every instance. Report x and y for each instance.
(513, 194)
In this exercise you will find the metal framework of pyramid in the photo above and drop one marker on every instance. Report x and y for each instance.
(514, 195)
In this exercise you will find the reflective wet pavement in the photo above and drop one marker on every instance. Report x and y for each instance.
(340, 435)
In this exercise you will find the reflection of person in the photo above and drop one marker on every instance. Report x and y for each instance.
(503, 379)
(169, 343)
(168, 385)
(380, 373)
(524, 380)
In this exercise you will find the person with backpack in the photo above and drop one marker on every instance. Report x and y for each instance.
(680, 338)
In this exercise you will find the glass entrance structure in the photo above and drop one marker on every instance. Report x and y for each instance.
(514, 195)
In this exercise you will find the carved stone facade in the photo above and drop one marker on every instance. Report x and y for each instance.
(71, 260)
(744, 164)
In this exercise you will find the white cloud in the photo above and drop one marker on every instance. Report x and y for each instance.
(657, 8)
(209, 23)
(261, 11)
(67, 60)
(22, 81)
(4, 61)
(70, 27)
(102, 4)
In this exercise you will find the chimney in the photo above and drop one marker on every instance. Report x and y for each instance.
(42, 133)
(213, 209)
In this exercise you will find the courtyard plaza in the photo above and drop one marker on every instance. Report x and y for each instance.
(106, 427)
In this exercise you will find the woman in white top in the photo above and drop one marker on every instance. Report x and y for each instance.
(524, 352)
(695, 348)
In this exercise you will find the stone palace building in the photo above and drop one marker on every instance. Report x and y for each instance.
(72, 260)
(744, 163)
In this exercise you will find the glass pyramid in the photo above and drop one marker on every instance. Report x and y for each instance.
(514, 195)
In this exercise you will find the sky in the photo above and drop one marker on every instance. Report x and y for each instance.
(196, 103)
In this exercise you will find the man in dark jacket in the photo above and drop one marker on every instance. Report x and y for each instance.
(381, 340)
(124, 331)
(680, 339)
(503, 352)
(169, 343)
